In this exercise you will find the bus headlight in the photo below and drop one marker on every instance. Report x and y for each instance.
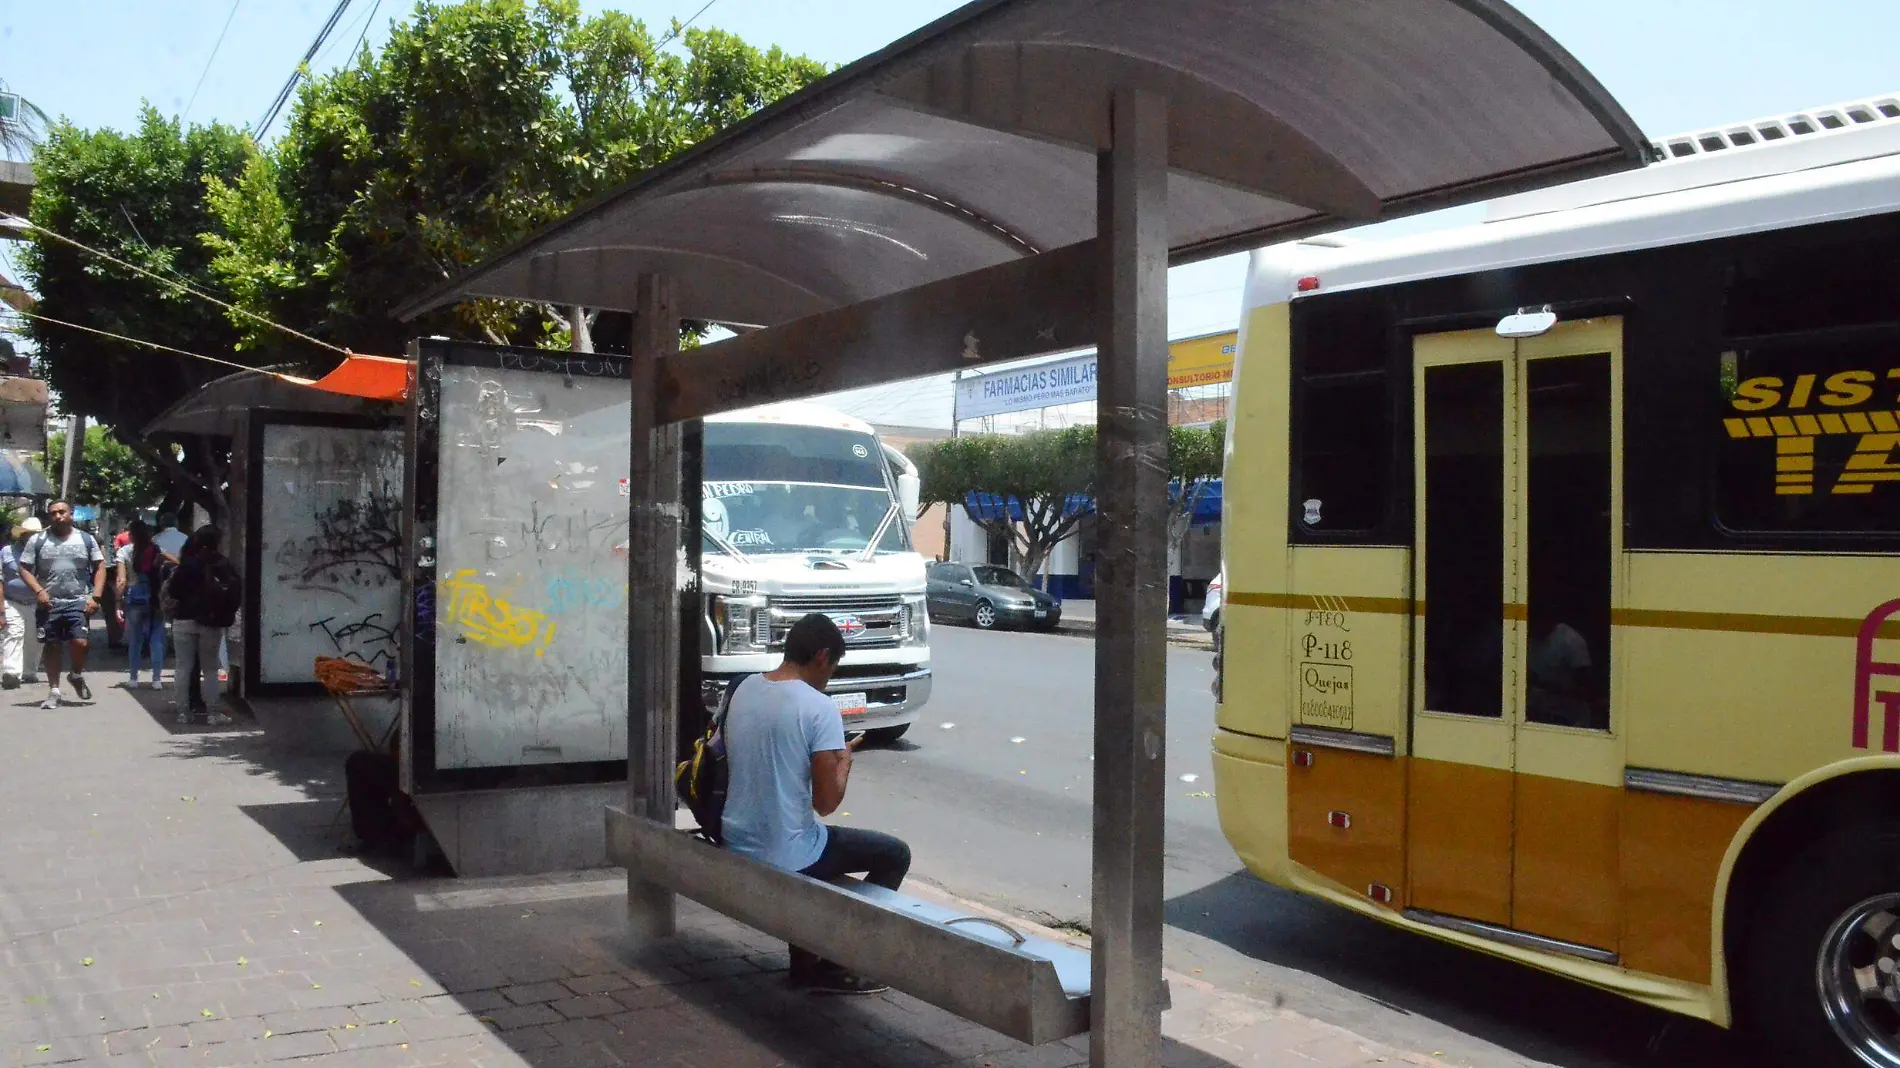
(916, 622)
(742, 624)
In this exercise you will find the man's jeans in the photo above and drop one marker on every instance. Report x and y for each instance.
(884, 859)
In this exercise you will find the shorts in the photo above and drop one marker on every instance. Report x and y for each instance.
(64, 622)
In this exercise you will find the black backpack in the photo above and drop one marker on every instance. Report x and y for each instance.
(220, 594)
(702, 779)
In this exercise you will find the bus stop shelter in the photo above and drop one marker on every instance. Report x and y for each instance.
(1015, 179)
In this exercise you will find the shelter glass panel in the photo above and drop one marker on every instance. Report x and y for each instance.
(531, 583)
(329, 552)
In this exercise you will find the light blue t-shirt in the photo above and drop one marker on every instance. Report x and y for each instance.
(772, 730)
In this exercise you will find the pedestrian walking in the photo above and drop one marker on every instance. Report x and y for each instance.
(142, 569)
(169, 539)
(112, 607)
(205, 594)
(66, 572)
(20, 642)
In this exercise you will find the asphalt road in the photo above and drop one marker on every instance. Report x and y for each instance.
(992, 790)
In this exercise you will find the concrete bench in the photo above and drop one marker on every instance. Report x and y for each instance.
(1034, 990)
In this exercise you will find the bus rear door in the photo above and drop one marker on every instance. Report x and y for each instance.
(1515, 769)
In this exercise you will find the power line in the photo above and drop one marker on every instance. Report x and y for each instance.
(127, 340)
(290, 84)
(208, 59)
(681, 28)
(194, 291)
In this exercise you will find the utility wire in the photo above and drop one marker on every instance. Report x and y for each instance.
(208, 59)
(127, 340)
(290, 84)
(194, 291)
(681, 28)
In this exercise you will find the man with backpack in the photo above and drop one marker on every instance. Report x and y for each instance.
(205, 594)
(66, 572)
(789, 763)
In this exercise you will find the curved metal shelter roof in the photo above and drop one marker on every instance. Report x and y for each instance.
(974, 141)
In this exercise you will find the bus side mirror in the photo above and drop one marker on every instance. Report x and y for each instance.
(909, 489)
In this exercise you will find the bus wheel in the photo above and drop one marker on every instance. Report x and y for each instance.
(1823, 968)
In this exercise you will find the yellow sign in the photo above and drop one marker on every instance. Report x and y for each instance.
(1202, 361)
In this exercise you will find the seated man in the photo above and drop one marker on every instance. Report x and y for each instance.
(789, 764)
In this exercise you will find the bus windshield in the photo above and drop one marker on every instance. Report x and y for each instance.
(772, 488)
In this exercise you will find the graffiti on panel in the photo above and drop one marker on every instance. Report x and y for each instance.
(329, 548)
(488, 620)
(530, 617)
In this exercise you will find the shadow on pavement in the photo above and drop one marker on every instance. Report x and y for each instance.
(1529, 1012)
(546, 965)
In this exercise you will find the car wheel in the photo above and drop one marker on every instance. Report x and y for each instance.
(985, 615)
(885, 735)
(1822, 973)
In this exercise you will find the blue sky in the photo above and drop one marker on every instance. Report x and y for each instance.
(1674, 64)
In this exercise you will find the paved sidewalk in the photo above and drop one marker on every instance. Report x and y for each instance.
(176, 896)
(1078, 617)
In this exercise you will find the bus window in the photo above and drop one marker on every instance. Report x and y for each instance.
(1343, 453)
(1464, 535)
(1810, 436)
(1567, 423)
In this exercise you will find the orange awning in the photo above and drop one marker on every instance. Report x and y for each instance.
(381, 378)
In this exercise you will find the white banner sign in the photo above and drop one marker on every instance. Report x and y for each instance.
(1062, 382)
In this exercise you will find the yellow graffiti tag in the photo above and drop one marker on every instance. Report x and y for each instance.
(491, 621)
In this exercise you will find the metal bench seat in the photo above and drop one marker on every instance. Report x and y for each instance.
(1032, 989)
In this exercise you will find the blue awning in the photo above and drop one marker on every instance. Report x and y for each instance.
(990, 507)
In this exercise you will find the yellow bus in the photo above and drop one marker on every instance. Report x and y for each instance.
(1562, 561)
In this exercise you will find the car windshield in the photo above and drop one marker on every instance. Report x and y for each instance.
(775, 487)
(1000, 576)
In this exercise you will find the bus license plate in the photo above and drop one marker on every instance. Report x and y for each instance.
(851, 704)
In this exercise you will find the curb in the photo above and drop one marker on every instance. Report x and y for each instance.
(1187, 639)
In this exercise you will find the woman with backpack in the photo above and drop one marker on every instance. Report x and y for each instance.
(141, 573)
(205, 594)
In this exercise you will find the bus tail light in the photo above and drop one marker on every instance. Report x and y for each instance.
(1302, 758)
(1380, 892)
(1341, 820)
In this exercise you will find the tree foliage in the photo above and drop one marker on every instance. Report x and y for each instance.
(477, 123)
(1035, 488)
(1047, 477)
(22, 129)
(1195, 456)
(139, 197)
(111, 475)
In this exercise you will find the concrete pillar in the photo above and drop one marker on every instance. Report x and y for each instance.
(1131, 587)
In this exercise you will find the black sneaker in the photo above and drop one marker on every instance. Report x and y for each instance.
(80, 689)
(9, 682)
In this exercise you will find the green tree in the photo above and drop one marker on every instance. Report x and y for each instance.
(140, 197)
(1047, 477)
(111, 475)
(478, 122)
(1195, 455)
